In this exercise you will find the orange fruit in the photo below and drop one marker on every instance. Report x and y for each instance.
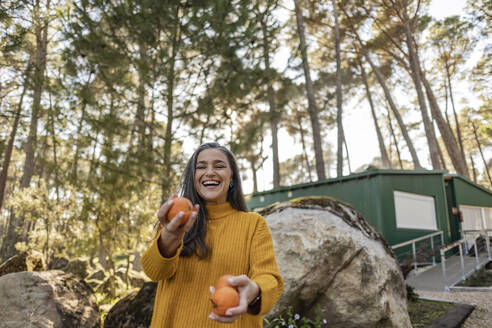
(222, 281)
(180, 204)
(223, 299)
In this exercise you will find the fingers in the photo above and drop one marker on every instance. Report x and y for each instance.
(223, 319)
(173, 225)
(192, 218)
(162, 212)
(238, 281)
(241, 308)
(248, 290)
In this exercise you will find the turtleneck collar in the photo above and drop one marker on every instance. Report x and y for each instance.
(220, 211)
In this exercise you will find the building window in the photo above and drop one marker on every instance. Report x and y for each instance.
(414, 211)
(476, 218)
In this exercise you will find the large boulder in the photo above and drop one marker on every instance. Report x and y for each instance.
(333, 260)
(23, 261)
(133, 311)
(46, 299)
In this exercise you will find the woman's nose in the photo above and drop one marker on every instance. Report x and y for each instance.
(209, 171)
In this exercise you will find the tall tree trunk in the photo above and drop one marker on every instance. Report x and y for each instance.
(448, 138)
(140, 114)
(313, 111)
(389, 98)
(340, 137)
(474, 171)
(14, 233)
(271, 101)
(51, 118)
(168, 140)
(394, 139)
(254, 170)
(382, 148)
(75, 167)
(441, 156)
(387, 93)
(304, 148)
(446, 103)
(346, 150)
(38, 83)
(486, 167)
(10, 144)
(74, 174)
(415, 74)
(458, 129)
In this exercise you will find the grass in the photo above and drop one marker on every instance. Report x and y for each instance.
(480, 278)
(423, 312)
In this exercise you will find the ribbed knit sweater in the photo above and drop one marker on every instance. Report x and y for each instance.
(241, 243)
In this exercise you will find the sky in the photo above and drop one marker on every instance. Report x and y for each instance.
(358, 124)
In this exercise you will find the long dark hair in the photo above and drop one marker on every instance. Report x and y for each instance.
(194, 240)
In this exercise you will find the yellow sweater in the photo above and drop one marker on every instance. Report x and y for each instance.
(241, 243)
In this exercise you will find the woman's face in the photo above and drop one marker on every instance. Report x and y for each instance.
(212, 176)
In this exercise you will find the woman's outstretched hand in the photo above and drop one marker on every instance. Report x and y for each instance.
(173, 232)
(248, 290)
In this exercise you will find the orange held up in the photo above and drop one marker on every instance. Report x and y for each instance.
(225, 296)
(180, 204)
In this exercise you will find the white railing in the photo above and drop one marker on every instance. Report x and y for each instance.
(414, 250)
(459, 244)
(478, 233)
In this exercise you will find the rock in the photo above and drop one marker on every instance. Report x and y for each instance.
(133, 311)
(136, 279)
(80, 268)
(46, 299)
(332, 259)
(94, 283)
(105, 286)
(57, 263)
(97, 275)
(23, 261)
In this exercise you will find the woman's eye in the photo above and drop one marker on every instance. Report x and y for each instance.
(219, 166)
(200, 167)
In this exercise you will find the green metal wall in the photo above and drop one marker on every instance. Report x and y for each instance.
(469, 193)
(359, 191)
(371, 193)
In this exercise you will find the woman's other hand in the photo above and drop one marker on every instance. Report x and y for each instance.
(248, 290)
(173, 232)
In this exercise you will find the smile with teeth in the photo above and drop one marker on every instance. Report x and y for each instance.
(211, 183)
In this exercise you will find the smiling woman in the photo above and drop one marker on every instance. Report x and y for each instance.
(220, 237)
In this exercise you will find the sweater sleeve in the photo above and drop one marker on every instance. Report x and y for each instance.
(263, 267)
(156, 266)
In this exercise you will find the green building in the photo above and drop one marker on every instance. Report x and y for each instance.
(401, 204)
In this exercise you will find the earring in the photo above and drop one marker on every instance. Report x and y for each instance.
(231, 184)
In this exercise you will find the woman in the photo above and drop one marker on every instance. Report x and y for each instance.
(220, 238)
